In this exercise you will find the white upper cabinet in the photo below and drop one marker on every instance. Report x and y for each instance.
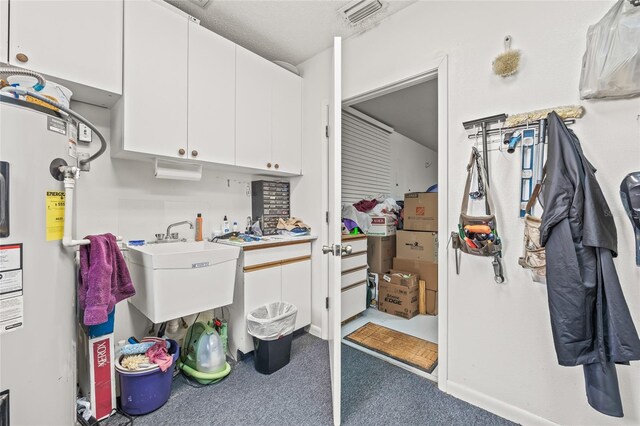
(253, 110)
(154, 105)
(72, 42)
(212, 97)
(191, 94)
(4, 31)
(286, 121)
(268, 115)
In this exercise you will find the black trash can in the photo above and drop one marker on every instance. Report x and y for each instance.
(271, 327)
(271, 355)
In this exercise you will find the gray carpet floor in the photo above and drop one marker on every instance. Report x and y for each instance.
(373, 393)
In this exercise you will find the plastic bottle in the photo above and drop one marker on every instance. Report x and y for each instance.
(210, 356)
(225, 226)
(199, 227)
(235, 226)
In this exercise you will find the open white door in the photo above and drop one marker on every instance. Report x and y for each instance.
(334, 249)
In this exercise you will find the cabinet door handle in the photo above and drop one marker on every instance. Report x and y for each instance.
(181, 151)
(268, 165)
(22, 57)
(194, 153)
(277, 166)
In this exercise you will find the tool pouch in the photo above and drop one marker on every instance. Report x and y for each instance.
(482, 247)
(534, 256)
(486, 247)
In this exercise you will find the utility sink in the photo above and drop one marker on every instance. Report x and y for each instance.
(181, 278)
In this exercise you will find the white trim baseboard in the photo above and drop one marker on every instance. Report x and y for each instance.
(495, 406)
(314, 330)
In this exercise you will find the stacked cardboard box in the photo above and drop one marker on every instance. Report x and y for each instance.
(380, 253)
(398, 294)
(417, 244)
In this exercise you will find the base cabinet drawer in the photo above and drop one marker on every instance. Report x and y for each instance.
(354, 300)
(353, 277)
(354, 261)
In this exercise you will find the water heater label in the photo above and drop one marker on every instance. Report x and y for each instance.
(57, 125)
(55, 215)
(11, 296)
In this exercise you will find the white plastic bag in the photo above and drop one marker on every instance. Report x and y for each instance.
(611, 63)
(210, 357)
(270, 322)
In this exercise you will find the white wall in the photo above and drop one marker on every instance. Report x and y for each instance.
(124, 198)
(408, 166)
(500, 346)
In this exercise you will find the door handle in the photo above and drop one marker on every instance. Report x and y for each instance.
(337, 250)
(22, 57)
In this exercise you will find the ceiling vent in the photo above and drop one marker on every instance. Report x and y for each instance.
(359, 10)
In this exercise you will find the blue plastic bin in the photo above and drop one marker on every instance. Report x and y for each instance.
(104, 328)
(144, 392)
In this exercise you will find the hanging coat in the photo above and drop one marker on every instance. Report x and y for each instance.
(590, 320)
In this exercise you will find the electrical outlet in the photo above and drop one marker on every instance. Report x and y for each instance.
(84, 133)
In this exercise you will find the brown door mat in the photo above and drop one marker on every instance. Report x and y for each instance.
(416, 352)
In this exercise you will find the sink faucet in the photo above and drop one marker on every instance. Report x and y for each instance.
(184, 222)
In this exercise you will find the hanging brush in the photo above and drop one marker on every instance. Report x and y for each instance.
(507, 63)
(565, 112)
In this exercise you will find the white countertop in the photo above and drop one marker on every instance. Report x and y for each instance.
(268, 241)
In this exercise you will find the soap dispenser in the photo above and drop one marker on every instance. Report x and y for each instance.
(199, 227)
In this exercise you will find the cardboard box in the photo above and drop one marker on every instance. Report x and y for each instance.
(417, 245)
(397, 295)
(421, 211)
(380, 253)
(382, 226)
(427, 271)
(96, 372)
(432, 302)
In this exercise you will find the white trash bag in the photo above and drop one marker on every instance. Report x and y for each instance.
(611, 63)
(272, 321)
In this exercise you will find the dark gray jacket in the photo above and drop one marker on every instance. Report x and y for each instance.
(590, 320)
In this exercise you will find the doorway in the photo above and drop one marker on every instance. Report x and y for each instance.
(424, 168)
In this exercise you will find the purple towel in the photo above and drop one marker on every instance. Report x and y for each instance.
(104, 278)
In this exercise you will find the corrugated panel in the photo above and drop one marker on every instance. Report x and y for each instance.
(366, 160)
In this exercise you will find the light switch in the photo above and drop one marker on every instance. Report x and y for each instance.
(84, 133)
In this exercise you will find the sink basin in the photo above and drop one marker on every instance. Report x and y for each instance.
(182, 255)
(182, 278)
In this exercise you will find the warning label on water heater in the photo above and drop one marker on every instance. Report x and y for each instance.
(11, 296)
(55, 215)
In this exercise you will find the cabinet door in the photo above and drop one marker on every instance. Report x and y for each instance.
(80, 41)
(155, 79)
(212, 97)
(286, 121)
(4, 31)
(262, 287)
(253, 110)
(296, 289)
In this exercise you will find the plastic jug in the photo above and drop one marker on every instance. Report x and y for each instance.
(210, 356)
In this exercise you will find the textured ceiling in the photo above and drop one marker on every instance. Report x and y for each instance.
(290, 31)
(412, 112)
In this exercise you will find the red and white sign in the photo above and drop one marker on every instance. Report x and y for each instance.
(102, 376)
